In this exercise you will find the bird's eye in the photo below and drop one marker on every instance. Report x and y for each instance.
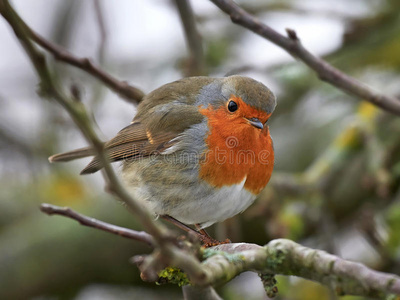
(232, 106)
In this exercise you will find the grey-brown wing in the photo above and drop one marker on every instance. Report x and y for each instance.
(132, 142)
(162, 116)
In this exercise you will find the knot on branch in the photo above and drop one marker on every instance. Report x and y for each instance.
(235, 17)
(292, 34)
(76, 93)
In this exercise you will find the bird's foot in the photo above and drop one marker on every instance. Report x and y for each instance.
(208, 241)
(200, 233)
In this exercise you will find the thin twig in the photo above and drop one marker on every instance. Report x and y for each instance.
(140, 236)
(293, 46)
(102, 29)
(128, 92)
(121, 87)
(193, 38)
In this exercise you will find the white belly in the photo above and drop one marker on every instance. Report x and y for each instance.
(201, 205)
(224, 203)
(183, 196)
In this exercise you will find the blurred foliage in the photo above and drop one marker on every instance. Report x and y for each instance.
(217, 52)
(336, 181)
(393, 223)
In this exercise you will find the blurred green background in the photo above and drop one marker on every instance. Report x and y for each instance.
(336, 181)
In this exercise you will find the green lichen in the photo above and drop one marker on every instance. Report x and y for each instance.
(174, 276)
(275, 258)
(231, 257)
(393, 221)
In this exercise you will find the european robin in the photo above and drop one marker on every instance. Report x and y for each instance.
(198, 150)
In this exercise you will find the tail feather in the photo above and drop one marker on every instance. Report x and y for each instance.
(71, 155)
(92, 167)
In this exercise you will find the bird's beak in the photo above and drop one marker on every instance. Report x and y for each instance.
(256, 123)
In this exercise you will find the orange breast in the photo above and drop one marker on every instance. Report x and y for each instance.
(237, 151)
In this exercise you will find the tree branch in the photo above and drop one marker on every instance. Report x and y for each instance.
(140, 236)
(292, 45)
(224, 262)
(286, 257)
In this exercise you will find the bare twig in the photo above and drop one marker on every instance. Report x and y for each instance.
(292, 45)
(102, 29)
(193, 38)
(122, 88)
(140, 236)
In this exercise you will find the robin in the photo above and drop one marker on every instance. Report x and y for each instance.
(197, 152)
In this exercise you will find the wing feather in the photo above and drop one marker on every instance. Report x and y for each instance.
(162, 116)
(127, 149)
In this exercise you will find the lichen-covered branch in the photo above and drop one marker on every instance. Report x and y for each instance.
(294, 47)
(224, 262)
(286, 257)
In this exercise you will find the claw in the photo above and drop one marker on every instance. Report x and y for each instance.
(210, 242)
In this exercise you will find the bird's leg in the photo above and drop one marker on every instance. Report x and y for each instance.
(207, 240)
(180, 225)
(203, 236)
(201, 230)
